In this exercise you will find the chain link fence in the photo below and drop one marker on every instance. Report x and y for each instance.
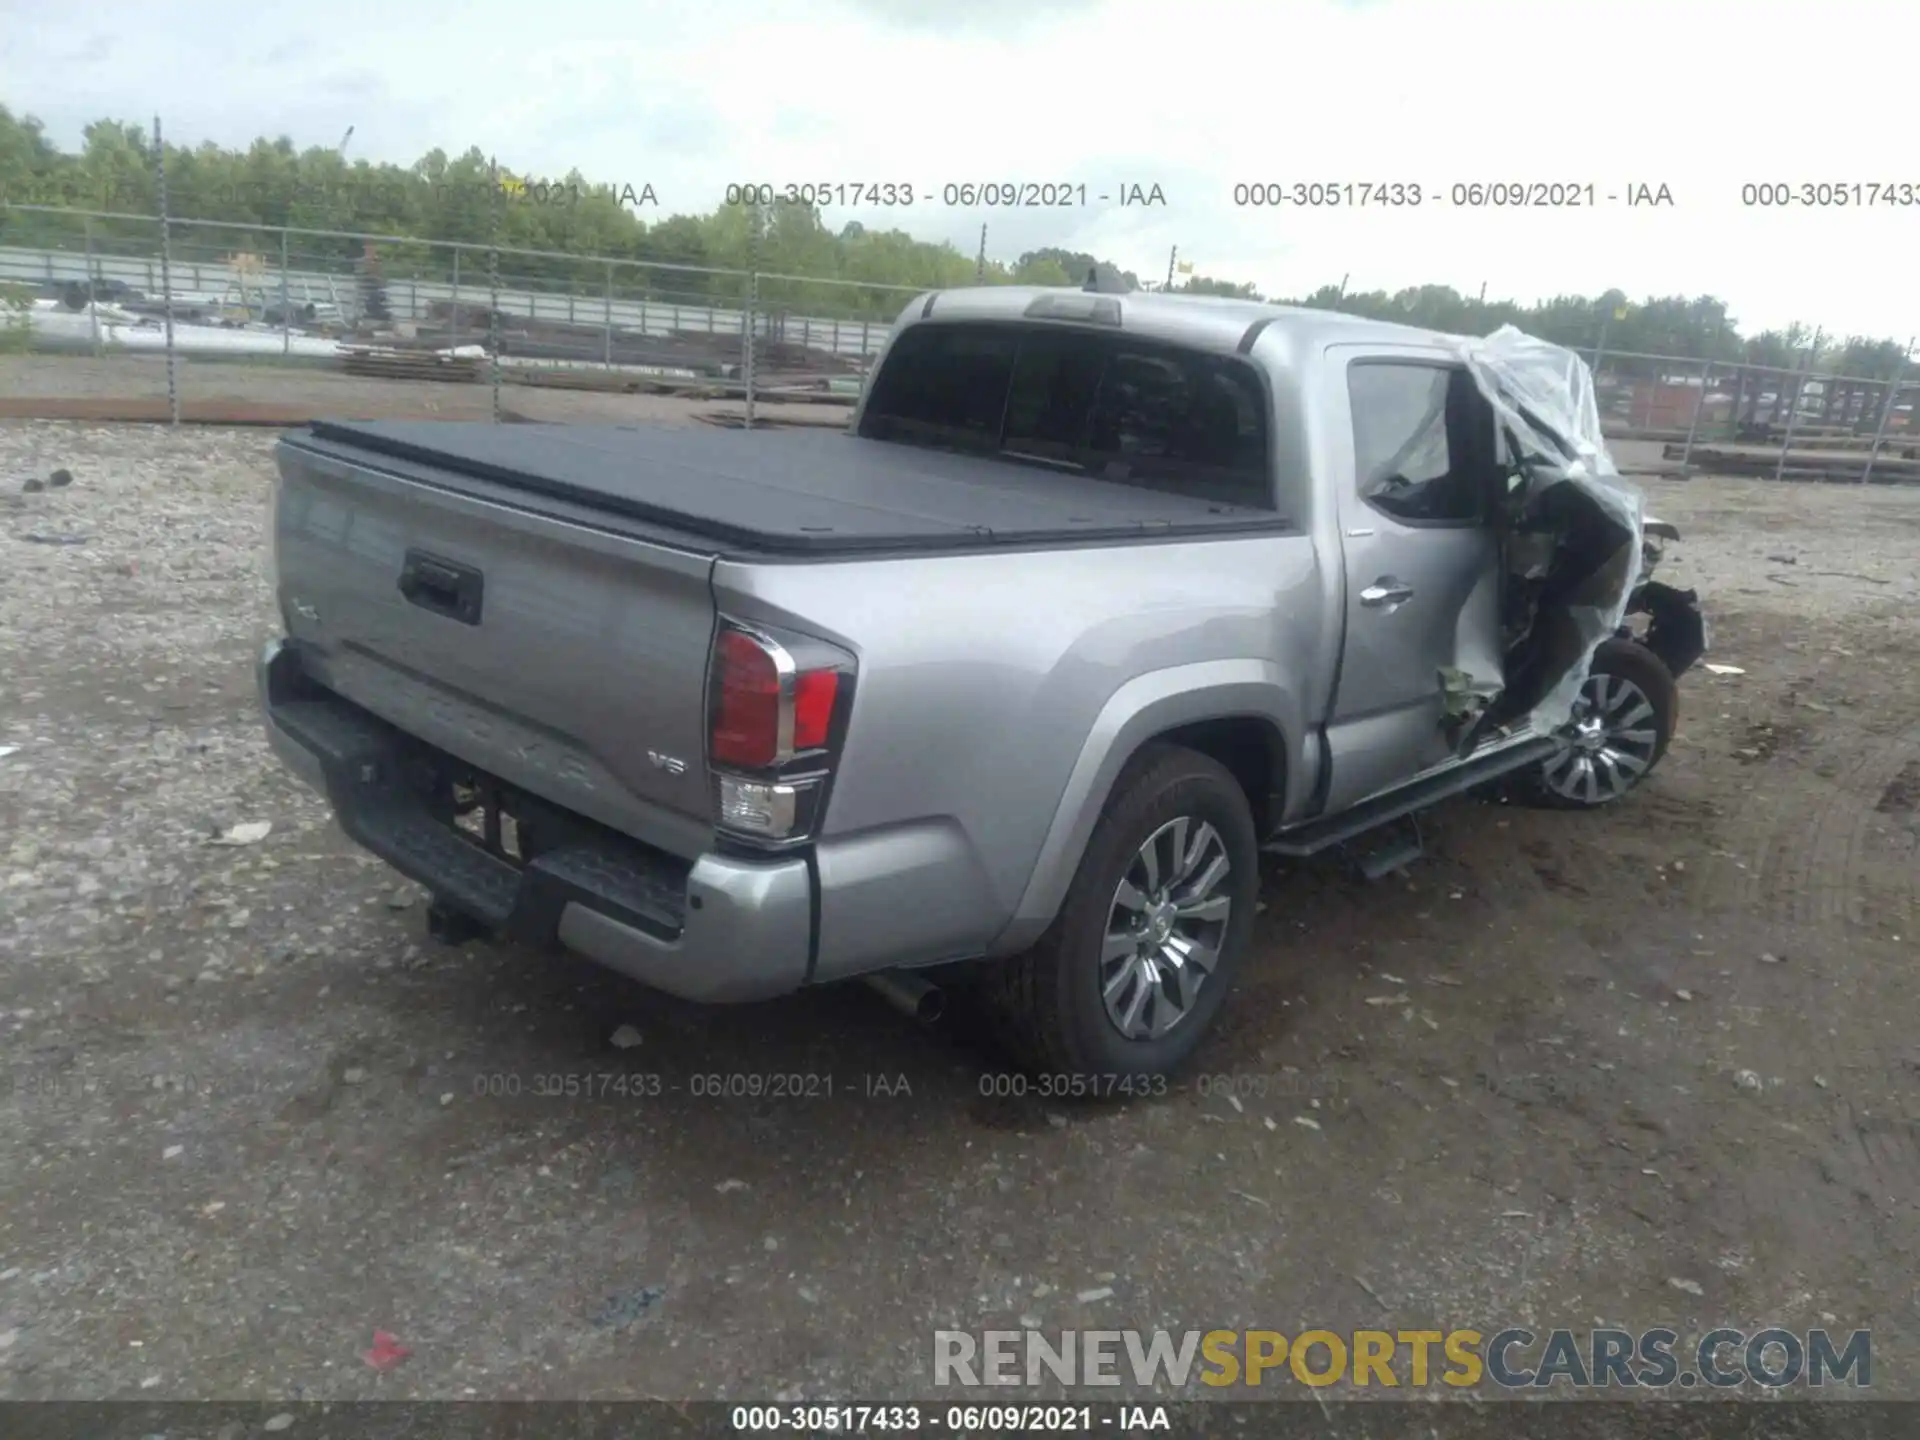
(401, 308)
(1782, 422)
(338, 302)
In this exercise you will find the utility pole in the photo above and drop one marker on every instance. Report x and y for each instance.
(756, 220)
(166, 272)
(980, 265)
(1172, 255)
(493, 284)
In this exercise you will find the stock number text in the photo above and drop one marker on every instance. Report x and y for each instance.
(830, 1419)
(823, 192)
(1826, 194)
(571, 1085)
(1326, 194)
(1015, 1084)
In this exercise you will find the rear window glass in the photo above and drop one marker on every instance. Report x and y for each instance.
(943, 382)
(1118, 409)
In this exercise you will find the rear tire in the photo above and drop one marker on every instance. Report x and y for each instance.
(1622, 725)
(1130, 976)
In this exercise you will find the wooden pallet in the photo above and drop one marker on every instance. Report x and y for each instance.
(806, 397)
(1807, 464)
(1772, 434)
(412, 365)
(737, 420)
(762, 394)
(603, 382)
(1897, 446)
(1642, 432)
(1900, 447)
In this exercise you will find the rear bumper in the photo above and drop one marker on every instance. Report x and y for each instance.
(718, 929)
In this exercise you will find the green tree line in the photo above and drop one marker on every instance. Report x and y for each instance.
(272, 184)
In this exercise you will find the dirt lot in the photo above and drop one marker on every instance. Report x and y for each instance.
(251, 1114)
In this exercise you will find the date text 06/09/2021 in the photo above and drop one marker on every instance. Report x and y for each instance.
(953, 194)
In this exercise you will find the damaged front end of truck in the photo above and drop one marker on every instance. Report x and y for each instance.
(1676, 628)
(1577, 546)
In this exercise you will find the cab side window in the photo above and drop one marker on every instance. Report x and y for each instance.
(1423, 441)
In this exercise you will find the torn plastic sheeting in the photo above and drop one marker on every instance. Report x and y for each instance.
(1578, 521)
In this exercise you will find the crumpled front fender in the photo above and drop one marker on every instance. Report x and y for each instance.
(1676, 628)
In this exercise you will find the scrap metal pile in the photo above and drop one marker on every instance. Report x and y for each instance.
(587, 339)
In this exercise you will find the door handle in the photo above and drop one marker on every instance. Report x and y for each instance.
(1386, 593)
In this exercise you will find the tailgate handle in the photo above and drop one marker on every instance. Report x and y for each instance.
(443, 586)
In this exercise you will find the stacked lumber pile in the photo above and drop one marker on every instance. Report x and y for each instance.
(385, 362)
(737, 420)
(1893, 466)
(606, 382)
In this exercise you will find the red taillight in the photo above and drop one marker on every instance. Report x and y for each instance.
(751, 718)
(813, 694)
(746, 703)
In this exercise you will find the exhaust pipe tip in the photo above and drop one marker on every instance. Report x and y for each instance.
(920, 1000)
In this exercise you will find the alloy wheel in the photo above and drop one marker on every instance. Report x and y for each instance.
(1609, 742)
(1165, 927)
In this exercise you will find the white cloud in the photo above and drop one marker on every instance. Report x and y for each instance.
(1700, 97)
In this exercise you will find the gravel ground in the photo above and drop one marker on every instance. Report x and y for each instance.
(251, 1114)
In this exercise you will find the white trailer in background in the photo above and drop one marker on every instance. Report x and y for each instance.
(114, 330)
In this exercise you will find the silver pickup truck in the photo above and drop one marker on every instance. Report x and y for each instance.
(1101, 596)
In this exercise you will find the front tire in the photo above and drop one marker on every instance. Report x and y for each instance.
(1151, 935)
(1622, 724)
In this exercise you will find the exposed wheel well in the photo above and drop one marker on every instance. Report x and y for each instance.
(1253, 752)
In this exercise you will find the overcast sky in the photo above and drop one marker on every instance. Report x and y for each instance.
(1194, 96)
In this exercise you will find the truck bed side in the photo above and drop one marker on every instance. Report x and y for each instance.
(992, 686)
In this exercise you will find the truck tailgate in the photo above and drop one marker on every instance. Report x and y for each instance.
(560, 657)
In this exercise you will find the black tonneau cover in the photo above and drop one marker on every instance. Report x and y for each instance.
(792, 492)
